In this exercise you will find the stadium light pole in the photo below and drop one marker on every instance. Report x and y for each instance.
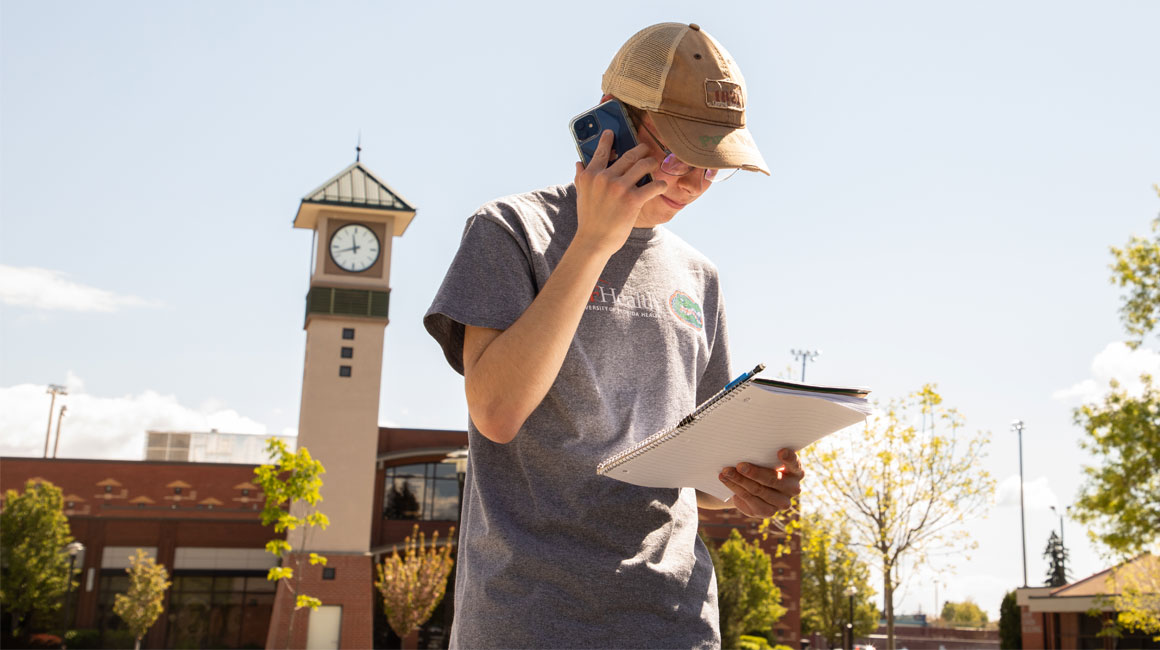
(1017, 427)
(54, 390)
(805, 356)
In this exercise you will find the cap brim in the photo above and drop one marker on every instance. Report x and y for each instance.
(710, 146)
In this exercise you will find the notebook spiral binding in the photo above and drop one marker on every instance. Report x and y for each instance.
(661, 437)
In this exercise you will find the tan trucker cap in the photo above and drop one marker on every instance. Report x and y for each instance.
(693, 89)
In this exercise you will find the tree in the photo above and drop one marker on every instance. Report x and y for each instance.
(1119, 495)
(1137, 269)
(413, 585)
(830, 566)
(964, 614)
(292, 487)
(747, 599)
(1010, 623)
(1137, 599)
(33, 535)
(1056, 556)
(905, 483)
(144, 602)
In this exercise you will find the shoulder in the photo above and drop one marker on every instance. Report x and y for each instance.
(678, 248)
(535, 215)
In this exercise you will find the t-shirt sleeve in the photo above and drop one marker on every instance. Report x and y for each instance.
(490, 284)
(717, 372)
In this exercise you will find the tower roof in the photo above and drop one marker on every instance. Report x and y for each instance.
(358, 188)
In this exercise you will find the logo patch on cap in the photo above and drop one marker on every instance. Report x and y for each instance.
(723, 94)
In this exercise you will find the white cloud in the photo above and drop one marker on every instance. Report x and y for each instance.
(104, 427)
(1037, 494)
(45, 289)
(1116, 361)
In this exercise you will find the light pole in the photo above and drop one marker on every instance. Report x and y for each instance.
(850, 592)
(59, 418)
(805, 356)
(1017, 427)
(54, 390)
(73, 549)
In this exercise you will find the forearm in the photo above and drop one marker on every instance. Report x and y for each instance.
(515, 370)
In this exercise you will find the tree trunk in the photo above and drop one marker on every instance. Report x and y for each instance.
(888, 604)
(137, 646)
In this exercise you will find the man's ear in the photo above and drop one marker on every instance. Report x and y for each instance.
(606, 98)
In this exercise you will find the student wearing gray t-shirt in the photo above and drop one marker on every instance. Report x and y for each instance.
(582, 325)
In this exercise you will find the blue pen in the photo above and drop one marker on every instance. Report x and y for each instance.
(745, 377)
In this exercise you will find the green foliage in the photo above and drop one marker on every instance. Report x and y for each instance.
(749, 642)
(905, 483)
(1056, 556)
(1119, 495)
(1010, 624)
(746, 596)
(964, 614)
(292, 485)
(830, 565)
(1137, 269)
(143, 603)
(412, 585)
(33, 535)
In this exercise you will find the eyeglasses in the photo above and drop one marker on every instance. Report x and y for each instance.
(673, 166)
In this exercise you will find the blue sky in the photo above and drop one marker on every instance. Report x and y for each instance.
(947, 178)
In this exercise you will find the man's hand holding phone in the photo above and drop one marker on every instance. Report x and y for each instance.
(608, 198)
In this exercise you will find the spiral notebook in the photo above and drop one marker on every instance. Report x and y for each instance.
(747, 421)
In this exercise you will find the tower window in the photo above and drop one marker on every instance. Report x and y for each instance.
(344, 371)
(348, 333)
(347, 353)
(328, 573)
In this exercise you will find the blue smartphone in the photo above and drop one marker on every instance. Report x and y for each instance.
(609, 116)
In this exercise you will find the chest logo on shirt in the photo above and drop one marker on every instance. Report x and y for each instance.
(687, 310)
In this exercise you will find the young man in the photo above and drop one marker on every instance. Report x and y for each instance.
(582, 325)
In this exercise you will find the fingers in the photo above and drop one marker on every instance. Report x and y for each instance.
(763, 491)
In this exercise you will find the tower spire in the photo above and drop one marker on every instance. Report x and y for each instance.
(358, 147)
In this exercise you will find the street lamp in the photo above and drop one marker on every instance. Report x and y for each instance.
(54, 390)
(1017, 427)
(804, 356)
(850, 592)
(73, 549)
(459, 459)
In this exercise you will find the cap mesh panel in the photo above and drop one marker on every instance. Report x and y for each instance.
(638, 72)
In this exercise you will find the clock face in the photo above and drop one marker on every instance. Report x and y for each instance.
(354, 247)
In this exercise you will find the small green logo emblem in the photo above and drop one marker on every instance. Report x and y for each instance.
(686, 309)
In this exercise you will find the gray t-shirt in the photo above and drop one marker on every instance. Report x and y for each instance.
(551, 554)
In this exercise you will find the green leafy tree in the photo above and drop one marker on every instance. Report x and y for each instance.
(748, 600)
(964, 614)
(905, 483)
(1010, 623)
(292, 484)
(141, 606)
(1118, 498)
(1136, 268)
(412, 585)
(830, 565)
(33, 535)
(1056, 556)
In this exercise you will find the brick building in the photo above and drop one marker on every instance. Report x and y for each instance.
(1074, 615)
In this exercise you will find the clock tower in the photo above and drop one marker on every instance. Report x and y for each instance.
(355, 217)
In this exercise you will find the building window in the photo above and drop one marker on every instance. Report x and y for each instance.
(426, 491)
(108, 489)
(245, 492)
(348, 333)
(328, 573)
(347, 353)
(70, 505)
(177, 490)
(344, 371)
(780, 571)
